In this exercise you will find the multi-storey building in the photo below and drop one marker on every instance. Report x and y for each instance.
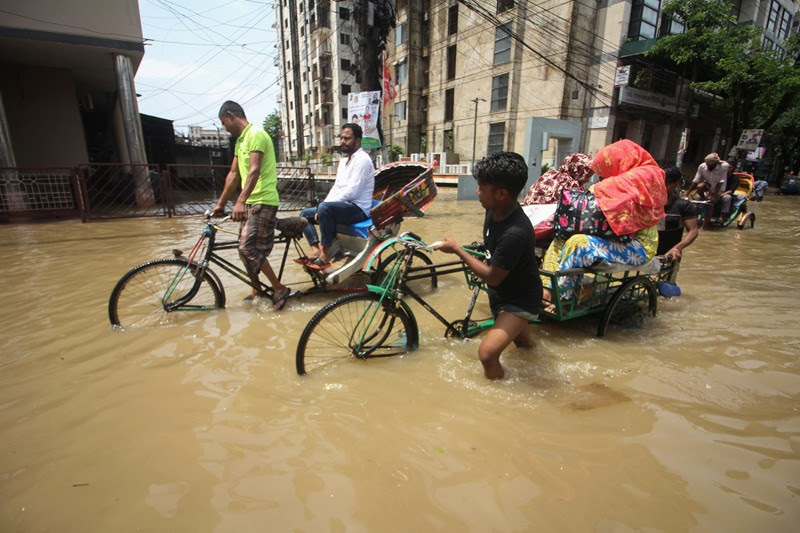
(470, 76)
(217, 137)
(318, 55)
(540, 78)
(650, 102)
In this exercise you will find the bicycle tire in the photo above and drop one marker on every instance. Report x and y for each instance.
(417, 258)
(634, 301)
(326, 338)
(137, 298)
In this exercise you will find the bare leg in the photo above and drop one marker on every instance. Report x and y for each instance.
(507, 328)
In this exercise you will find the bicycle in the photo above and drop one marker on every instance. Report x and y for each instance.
(150, 293)
(379, 323)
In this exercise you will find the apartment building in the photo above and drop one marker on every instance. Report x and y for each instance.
(650, 110)
(471, 76)
(318, 54)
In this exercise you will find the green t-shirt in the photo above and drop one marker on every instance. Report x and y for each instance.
(254, 139)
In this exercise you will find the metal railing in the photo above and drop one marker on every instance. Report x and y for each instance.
(28, 191)
(115, 190)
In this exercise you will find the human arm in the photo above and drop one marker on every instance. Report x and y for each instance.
(692, 228)
(240, 208)
(489, 273)
(231, 182)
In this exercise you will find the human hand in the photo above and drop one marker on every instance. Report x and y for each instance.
(674, 254)
(218, 211)
(448, 246)
(239, 212)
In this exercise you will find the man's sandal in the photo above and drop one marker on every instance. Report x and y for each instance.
(318, 264)
(278, 302)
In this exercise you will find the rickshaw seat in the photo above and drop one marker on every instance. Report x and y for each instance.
(359, 229)
(651, 267)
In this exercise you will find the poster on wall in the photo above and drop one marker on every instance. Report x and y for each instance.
(362, 109)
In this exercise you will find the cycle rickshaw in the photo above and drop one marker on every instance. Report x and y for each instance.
(154, 292)
(380, 323)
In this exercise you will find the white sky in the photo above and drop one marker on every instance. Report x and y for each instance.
(199, 53)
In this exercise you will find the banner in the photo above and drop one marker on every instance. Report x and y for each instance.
(362, 109)
(750, 139)
(386, 82)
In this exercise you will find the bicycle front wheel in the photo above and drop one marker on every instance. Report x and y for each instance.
(355, 326)
(141, 297)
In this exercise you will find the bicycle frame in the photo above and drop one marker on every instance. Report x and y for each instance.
(395, 285)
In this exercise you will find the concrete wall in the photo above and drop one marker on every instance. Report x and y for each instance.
(42, 109)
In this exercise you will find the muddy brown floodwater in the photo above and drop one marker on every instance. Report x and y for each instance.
(688, 424)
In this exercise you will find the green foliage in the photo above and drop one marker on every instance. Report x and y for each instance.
(272, 125)
(545, 167)
(726, 59)
(395, 152)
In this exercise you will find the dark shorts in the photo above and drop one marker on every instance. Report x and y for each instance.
(514, 310)
(257, 235)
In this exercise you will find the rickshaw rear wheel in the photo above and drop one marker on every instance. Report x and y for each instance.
(634, 301)
(751, 217)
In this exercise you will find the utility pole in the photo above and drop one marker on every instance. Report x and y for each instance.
(475, 127)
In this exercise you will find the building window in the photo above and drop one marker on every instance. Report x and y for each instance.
(305, 76)
(449, 141)
(344, 64)
(451, 62)
(504, 5)
(452, 20)
(779, 21)
(402, 71)
(502, 44)
(401, 34)
(497, 137)
(499, 92)
(400, 110)
(449, 103)
(346, 89)
(644, 17)
(344, 38)
(344, 13)
(344, 113)
(670, 26)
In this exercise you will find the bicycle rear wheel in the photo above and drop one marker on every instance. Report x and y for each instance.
(141, 296)
(355, 326)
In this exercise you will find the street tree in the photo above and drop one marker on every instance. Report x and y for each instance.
(272, 125)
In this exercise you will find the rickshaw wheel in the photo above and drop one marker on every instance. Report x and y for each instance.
(634, 301)
(751, 217)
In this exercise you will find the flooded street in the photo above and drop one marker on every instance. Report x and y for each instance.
(691, 423)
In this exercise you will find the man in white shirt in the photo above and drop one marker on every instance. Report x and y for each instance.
(349, 200)
(710, 179)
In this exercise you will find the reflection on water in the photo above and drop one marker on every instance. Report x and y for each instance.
(690, 423)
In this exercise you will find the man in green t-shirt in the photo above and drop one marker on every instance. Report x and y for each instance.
(256, 207)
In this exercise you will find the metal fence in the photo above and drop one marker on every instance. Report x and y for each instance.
(27, 192)
(110, 190)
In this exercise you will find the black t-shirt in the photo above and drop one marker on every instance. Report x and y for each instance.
(672, 231)
(511, 245)
(682, 207)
